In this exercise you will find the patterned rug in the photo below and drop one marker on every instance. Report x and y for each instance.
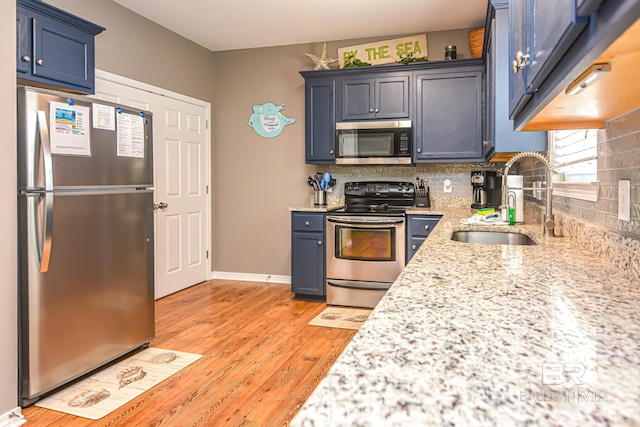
(338, 317)
(107, 390)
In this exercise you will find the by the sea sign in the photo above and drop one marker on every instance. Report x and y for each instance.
(267, 120)
(386, 51)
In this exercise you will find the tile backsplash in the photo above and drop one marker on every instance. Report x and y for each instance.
(618, 158)
(436, 173)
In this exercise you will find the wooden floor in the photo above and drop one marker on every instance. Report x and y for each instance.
(261, 360)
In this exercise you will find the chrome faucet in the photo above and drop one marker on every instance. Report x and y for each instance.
(548, 223)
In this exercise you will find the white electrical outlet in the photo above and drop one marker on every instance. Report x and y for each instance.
(624, 200)
(447, 186)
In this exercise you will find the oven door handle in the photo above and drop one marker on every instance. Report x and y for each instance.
(363, 286)
(365, 221)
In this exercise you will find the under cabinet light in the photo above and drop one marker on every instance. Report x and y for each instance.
(589, 77)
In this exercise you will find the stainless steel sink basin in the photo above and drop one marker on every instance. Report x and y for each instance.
(492, 238)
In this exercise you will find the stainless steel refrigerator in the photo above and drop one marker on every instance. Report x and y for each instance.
(85, 215)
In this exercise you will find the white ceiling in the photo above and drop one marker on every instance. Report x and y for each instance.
(241, 24)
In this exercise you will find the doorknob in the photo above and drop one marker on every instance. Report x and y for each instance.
(161, 205)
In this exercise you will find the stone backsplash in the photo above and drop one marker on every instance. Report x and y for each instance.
(436, 173)
(595, 225)
(618, 158)
(617, 249)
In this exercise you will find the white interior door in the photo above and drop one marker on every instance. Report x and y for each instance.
(181, 173)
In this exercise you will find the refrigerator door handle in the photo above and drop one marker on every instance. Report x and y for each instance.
(47, 238)
(45, 143)
(44, 250)
(40, 235)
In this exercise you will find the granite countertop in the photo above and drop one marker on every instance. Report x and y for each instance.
(478, 334)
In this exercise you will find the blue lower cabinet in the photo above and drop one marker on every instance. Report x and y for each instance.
(308, 265)
(418, 229)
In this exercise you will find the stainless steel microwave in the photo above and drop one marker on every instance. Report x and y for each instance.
(374, 142)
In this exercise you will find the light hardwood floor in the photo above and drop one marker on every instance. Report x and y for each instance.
(261, 359)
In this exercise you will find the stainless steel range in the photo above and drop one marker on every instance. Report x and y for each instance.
(366, 242)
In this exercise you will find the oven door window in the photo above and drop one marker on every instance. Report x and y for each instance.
(365, 244)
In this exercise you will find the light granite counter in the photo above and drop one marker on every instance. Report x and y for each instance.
(475, 334)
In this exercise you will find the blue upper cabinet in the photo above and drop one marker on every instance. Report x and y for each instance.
(499, 134)
(553, 26)
(320, 119)
(552, 42)
(587, 7)
(374, 97)
(541, 32)
(448, 119)
(518, 51)
(23, 48)
(53, 48)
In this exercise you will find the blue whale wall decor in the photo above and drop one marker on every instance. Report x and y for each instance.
(267, 120)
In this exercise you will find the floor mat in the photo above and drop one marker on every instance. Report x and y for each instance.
(338, 317)
(112, 387)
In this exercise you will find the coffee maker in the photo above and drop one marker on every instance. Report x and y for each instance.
(486, 189)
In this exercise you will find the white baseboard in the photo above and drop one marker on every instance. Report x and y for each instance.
(12, 418)
(250, 277)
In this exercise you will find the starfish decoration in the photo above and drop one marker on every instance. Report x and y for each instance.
(322, 62)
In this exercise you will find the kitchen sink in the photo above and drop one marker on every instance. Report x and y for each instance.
(492, 238)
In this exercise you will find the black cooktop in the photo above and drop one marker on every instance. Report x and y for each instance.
(388, 198)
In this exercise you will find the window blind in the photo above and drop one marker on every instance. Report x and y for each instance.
(574, 155)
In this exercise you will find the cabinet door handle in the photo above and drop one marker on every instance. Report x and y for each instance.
(426, 227)
(377, 110)
(419, 150)
(520, 62)
(26, 58)
(306, 223)
(40, 62)
(330, 151)
(413, 247)
(485, 143)
(319, 242)
(371, 110)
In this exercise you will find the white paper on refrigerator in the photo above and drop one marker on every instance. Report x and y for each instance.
(130, 135)
(68, 129)
(104, 117)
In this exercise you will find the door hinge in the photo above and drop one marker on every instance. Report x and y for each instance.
(206, 189)
(206, 123)
(207, 254)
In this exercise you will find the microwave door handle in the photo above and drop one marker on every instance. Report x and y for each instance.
(366, 222)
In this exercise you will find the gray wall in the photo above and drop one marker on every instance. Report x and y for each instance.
(618, 158)
(8, 185)
(134, 47)
(256, 179)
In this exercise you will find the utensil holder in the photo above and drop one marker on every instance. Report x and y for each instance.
(320, 198)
